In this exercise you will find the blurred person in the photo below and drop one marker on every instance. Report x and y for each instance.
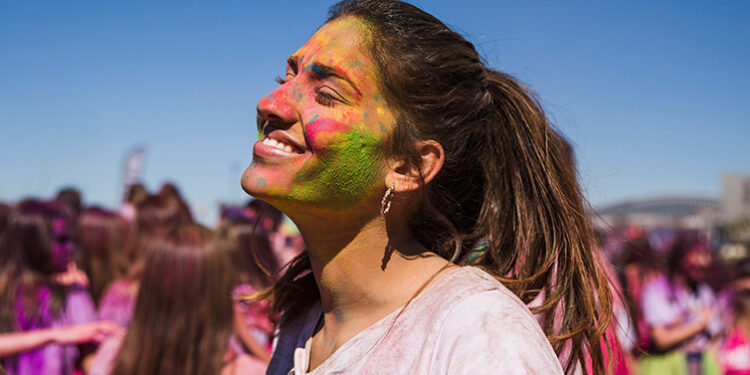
(734, 353)
(170, 190)
(285, 246)
(34, 250)
(740, 275)
(135, 195)
(682, 314)
(255, 267)
(101, 240)
(639, 265)
(71, 198)
(4, 212)
(270, 216)
(156, 216)
(183, 315)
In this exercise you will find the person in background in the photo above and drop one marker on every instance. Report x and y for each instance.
(682, 314)
(284, 245)
(734, 353)
(4, 212)
(157, 215)
(101, 240)
(34, 249)
(740, 281)
(255, 267)
(71, 198)
(135, 195)
(638, 265)
(183, 315)
(170, 191)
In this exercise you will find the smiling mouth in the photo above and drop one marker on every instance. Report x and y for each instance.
(279, 145)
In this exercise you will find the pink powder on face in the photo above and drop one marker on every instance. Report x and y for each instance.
(318, 126)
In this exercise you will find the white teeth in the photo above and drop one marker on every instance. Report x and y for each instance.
(278, 144)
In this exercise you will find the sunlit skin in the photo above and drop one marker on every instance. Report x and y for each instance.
(329, 110)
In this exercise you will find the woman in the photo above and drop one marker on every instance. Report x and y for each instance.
(156, 215)
(397, 152)
(35, 248)
(102, 237)
(183, 313)
(682, 313)
(253, 263)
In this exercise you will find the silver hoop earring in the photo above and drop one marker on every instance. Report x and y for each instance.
(385, 204)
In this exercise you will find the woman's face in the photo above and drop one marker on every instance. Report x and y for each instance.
(324, 125)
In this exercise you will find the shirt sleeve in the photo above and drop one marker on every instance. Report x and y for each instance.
(491, 332)
(79, 307)
(657, 311)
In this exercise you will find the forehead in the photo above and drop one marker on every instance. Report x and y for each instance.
(339, 44)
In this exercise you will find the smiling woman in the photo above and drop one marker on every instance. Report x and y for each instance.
(435, 201)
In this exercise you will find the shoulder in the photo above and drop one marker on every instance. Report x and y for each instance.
(491, 328)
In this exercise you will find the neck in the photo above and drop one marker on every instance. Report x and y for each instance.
(364, 269)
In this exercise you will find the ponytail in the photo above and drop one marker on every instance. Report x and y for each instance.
(539, 237)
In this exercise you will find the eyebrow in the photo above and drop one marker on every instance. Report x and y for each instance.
(324, 71)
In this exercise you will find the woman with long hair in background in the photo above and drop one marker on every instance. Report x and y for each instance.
(399, 154)
(101, 239)
(156, 215)
(183, 314)
(34, 249)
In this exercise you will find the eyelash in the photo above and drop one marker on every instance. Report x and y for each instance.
(321, 97)
(324, 99)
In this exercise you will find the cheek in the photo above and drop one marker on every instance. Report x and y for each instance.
(320, 130)
(347, 171)
(259, 178)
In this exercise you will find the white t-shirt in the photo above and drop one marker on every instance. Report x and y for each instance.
(466, 322)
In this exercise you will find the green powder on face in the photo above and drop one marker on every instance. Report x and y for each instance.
(342, 176)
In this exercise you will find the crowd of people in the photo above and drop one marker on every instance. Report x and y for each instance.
(142, 290)
(684, 309)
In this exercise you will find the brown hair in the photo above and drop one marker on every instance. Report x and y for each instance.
(101, 240)
(156, 215)
(250, 250)
(26, 263)
(508, 181)
(183, 313)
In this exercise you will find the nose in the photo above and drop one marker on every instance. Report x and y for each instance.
(277, 107)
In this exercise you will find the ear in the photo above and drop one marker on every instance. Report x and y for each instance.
(405, 177)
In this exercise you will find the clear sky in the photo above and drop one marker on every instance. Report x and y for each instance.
(654, 96)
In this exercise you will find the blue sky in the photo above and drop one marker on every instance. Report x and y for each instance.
(652, 95)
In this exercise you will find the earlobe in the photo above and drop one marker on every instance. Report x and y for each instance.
(408, 177)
